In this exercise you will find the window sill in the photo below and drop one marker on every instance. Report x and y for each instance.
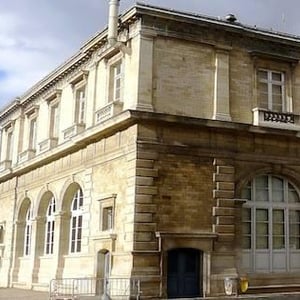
(267, 118)
(108, 111)
(26, 155)
(73, 130)
(48, 144)
(4, 165)
(105, 235)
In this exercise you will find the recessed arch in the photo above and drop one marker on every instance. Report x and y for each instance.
(270, 224)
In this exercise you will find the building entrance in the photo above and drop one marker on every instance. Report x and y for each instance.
(184, 278)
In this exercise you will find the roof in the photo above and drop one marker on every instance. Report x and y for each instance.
(142, 9)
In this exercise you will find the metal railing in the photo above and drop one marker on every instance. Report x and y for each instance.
(94, 288)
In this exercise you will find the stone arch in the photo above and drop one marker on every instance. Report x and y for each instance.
(267, 241)
(67, 199)
(284, 172)
(42, 208)
(24, 205)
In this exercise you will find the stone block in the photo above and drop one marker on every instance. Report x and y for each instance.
(223, 194)
(146, 172)
(223, 177)
(143, 218)
(140, 208)
(225, 186)
(223, 211)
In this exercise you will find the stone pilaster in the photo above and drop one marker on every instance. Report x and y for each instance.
(221, 86)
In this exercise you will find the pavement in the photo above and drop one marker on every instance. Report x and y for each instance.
(15, 294)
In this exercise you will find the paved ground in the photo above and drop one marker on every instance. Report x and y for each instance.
(12, 294)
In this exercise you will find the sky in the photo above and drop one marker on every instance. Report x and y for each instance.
(36, 36)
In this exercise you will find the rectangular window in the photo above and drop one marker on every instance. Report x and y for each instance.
(76, 234)
(271, 90)
(278, 229)
(246, 229)
(9, 147)
(32, 134)
(262, 229)
(1, 234)
(107, 218)
(54, 121)
(294, 229)
(117, 82)
(80, 104)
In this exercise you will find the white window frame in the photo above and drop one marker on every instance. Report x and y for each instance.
(270, 206)
(50, 227)
(76, 222)
(80, 91)
(117, 81)
(28, 232)
(270, 83)
(107, 205)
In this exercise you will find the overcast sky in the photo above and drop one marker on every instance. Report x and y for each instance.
(38, 35)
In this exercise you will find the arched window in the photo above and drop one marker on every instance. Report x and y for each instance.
(27, 233)
(50, 224)
(271, 225)
(76, 222)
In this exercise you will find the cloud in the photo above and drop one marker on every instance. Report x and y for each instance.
(36, 36)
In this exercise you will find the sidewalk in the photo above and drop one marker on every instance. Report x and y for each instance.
(12, 294)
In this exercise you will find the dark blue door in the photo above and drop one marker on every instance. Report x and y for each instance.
(184, 277)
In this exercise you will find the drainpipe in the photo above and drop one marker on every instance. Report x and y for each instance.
(113, 20)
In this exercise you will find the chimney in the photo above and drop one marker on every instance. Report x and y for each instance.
(113, 21)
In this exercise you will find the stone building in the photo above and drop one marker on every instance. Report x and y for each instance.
(167, 150)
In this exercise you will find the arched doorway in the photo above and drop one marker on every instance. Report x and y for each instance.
(184, 278)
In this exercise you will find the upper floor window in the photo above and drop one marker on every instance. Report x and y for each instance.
(2, 232)
(32, 133)
(76, 221)
(271, 225)
(9, 144)
(54, 120)
(80, 105)
(117, 88)
(271, 90)
(50, 225)
(53, 100)
(116, 75)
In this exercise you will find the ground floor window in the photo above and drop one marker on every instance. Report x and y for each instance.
(271, 225)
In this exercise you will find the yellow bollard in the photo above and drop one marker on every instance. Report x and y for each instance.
(244, 284)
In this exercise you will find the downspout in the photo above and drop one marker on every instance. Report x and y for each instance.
(113, 20)
(14, 238)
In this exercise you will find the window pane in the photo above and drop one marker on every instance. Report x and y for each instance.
(261, 215)
(293, 195)
(294, 229)
(276, 76)
(262, 75)
(262, 229)
(261, 184)
(262, 242)
(278, 229)
(277, 189)
(278, 242)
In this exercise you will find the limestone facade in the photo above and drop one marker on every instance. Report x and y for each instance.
(134, 161)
